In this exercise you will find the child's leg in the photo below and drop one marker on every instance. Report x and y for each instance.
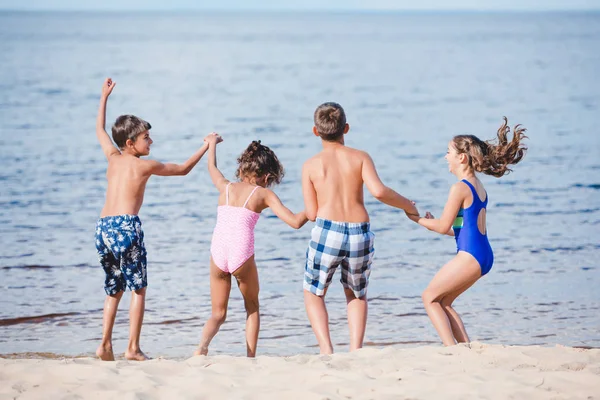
(220, 286)
(319, 320)
(136, 317)
(111, 304)
(247, 279)
(357, 318)
(458, 328)
(463, 270)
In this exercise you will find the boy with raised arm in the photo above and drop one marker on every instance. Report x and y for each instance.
(119, 235)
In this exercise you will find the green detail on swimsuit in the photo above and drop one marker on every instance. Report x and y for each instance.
(458, 221)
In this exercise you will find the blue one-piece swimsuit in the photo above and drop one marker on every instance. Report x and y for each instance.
(467, 235)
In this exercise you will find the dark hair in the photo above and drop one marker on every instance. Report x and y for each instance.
(128, 127)
(258, 160)
(489, 158)
(330, 121)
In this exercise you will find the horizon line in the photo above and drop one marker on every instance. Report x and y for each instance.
(308, 10)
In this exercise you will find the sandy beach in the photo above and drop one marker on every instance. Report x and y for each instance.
(461, 372)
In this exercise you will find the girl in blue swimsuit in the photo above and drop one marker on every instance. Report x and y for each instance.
(464, 218)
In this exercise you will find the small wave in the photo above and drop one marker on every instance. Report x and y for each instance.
(411, 314)
(537, 213)
(384, 299)
(590, 186)
(28, 267)
(173, 321)
(37, 319)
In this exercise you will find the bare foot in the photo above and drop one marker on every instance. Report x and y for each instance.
(105, 353)
(136, 355)
(201, 351)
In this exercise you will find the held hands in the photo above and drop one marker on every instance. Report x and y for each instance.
(212, 139)
(107, 87)
(413, 217)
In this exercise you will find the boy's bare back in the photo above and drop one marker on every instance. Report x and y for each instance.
(332, 181)
(336, 174)
(127, 177)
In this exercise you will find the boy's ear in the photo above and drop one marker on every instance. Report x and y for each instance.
(315, 131)
(129, 143)
(346, 128)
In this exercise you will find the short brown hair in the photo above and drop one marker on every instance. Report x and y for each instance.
(128, 127)
(258, 160)
(330, 121)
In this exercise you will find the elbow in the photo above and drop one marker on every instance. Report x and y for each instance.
(311, 216)
(379, 193)
(443, 229)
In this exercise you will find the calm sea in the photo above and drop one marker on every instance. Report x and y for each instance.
(408, 82)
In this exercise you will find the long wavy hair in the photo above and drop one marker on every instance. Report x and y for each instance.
(493, 158)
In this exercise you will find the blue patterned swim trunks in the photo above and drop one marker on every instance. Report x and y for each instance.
(121, 251)
(334, 243)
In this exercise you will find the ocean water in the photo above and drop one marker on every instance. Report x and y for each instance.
(408, 83)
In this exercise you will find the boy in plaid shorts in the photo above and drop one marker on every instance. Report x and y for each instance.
(332, 185)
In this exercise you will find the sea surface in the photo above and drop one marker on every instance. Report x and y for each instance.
(408, 83)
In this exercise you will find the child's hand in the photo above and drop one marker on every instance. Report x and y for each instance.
(429, 215)
(107, 87)
(413, 217)
(213, 138)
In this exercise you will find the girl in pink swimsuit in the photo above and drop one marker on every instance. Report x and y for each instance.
(232, 247)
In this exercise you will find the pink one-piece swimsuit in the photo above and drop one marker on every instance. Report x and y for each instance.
(233, 238)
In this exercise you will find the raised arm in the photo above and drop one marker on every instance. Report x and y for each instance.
(170, 169)
(443, 225)
(296, 221)
(108, 147)
(382, 192)
(215, 173)
(309, 193)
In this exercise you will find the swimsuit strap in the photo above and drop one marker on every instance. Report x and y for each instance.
(474, 191)
(253, 190)
(227, 193)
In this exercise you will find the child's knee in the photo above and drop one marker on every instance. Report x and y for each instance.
(446, 303)
(219, 316)
(251, 305)
(428, 296)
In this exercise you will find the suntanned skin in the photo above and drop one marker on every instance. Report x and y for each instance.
(332, 185)
(460, 273)
(247, 275)
(127, 175)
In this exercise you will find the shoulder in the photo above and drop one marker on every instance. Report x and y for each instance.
(265, 194)
(146, 165)
(459, 189)
(360, 156)
(311, 162)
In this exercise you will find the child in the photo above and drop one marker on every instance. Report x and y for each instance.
(332, 184)
(232, 248)
(464, 216)
(119, 235)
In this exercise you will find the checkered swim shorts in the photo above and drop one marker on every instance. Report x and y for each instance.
(334, 243)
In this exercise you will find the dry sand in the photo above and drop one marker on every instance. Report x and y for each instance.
(460, 372)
